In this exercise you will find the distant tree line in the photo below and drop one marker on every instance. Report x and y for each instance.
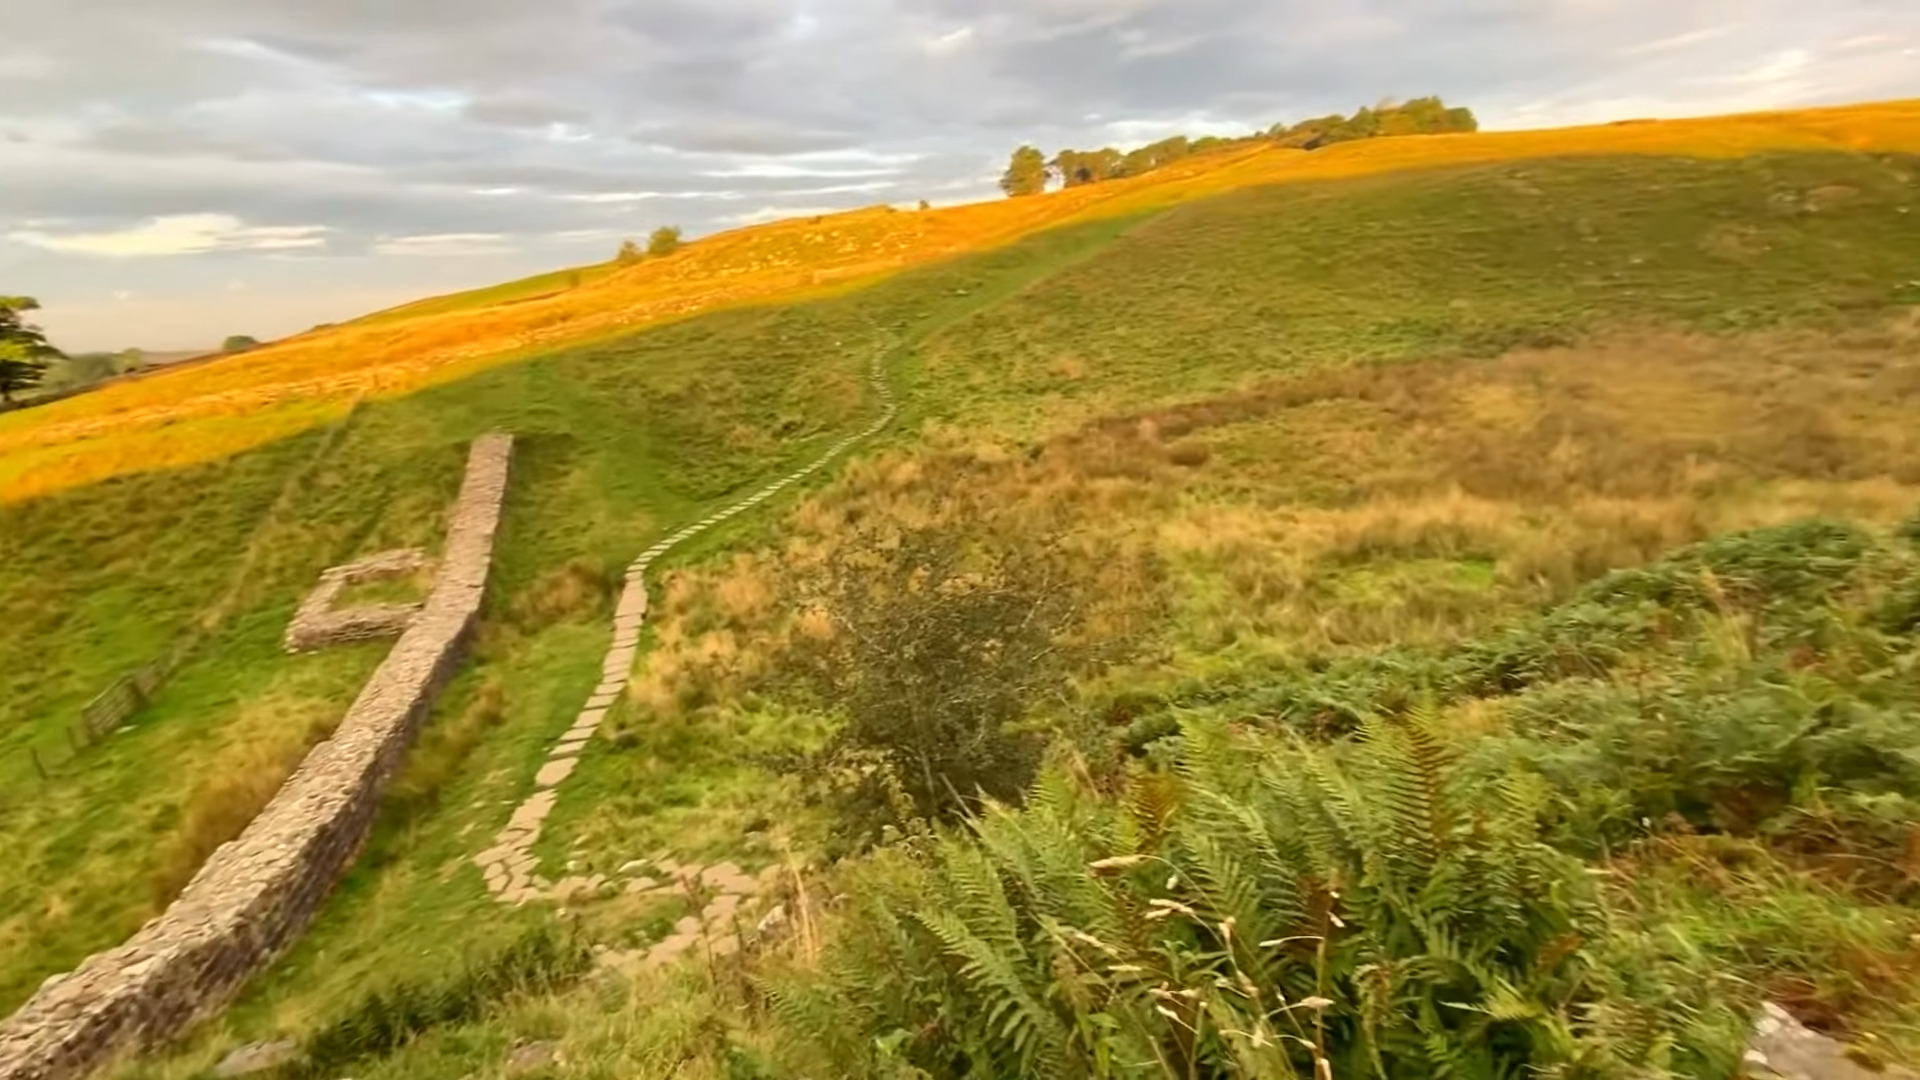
(664, 241)
(1030, 172)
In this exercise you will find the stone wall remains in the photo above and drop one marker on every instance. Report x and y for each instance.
(319, 623)
(256, 894)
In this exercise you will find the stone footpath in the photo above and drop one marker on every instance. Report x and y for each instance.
(256, 894)
(509, 865)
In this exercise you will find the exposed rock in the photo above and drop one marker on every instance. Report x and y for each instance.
(772, 923)
(1786, 1049)
(257, 1057)
(532, 1057)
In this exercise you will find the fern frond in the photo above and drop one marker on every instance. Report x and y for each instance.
(1010, 1008)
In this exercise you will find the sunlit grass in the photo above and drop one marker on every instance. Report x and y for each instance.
(392, 354)
(1386, 409)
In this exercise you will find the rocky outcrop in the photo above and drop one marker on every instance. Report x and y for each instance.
(319, 623)
(256, 894)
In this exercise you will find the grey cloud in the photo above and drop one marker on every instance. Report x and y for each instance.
(593, 118)
(524, 112)
(744, 136)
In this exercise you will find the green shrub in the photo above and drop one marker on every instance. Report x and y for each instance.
(941, 646)
(1909, 529)
(1748, 756)
(1256, 910)
(1899, 610)
(1797, 562)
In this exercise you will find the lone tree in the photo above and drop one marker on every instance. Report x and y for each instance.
(629, 253)
(664, 241)
(24, 351)
(1026, 174)
(239, 343)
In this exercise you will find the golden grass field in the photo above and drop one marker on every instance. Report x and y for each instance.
(215, 409)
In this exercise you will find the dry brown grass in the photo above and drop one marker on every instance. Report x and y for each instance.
(575, 589)
(1376, 505)
(226, 405)
(244, 779)
(444, 747)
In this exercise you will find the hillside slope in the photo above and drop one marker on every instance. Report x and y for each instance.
(285, 388)
(1384, 442)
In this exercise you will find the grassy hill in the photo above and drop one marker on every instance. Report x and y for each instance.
(1467, 477)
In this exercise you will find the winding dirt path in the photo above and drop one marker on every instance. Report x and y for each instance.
(509, 865)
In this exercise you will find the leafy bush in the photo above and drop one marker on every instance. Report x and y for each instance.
(1253, 910)
(1797, 562)
(663, 241)
(935, 648)
(1749, 756)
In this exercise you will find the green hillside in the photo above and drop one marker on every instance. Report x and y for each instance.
(1479, 631)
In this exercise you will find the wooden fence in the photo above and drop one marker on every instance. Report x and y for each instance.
(112, 707)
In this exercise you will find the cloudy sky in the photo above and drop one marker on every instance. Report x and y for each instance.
(173, 171)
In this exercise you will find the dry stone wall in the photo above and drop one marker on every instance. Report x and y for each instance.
(256, 894)
(319, 623)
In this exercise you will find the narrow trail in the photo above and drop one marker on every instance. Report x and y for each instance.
(509, 865)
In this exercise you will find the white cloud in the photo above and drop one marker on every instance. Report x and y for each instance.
(869, 187)
(575, 236)
(445, 245)
(949, 43)
(774, 170)
(1140, 45)
(1677, 42)
(178, 234)
(24, 65)
(780, 213)
(615, 196)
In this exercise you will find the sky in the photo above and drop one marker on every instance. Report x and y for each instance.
(175, 171)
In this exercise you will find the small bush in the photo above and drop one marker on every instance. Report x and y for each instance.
(1747, 757)
(1798, 562)
(1909, 530)
(935, 648)
(663, 241)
